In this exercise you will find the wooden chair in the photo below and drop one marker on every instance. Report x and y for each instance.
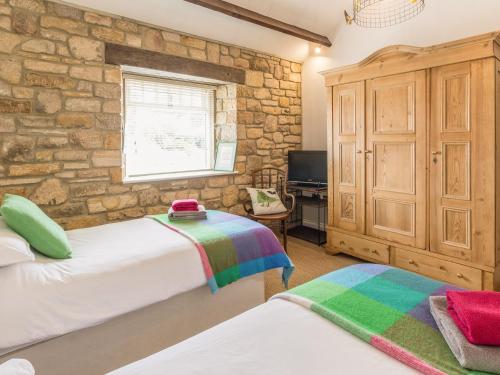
(272, 178)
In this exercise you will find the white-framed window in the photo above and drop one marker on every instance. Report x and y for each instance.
(168, 128)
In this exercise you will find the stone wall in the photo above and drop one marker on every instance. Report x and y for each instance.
(60, 120)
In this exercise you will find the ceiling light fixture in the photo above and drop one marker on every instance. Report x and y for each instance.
(317, 50)
(383, 13)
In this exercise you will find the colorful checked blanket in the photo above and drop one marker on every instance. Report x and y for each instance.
(232, 247)
(386, 307)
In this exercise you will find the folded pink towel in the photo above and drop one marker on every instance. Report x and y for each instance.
(477, 315)
(185, 205)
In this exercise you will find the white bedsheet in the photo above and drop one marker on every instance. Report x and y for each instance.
(17, 367)
(278, 337)
(116, 268)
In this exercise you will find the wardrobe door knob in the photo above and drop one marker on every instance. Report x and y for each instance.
(460, 276)
(411, 261)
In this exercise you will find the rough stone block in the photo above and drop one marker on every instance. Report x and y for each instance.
(82, 105)
(37, 6)
(46, 66)
(52, 142)
(107, 121)
(88, 139)
(50, 192)
(75, 120)
(49, 80)
(65, 11)
(255, 133)
(24, 22)
(113, 76)
(97, 19)
(130, 213)
(86, 49)
(33, 169)
(230, 196)
(109, 203)
(39, 46)
(106, 159)
(7, 125)
(22, 92)
(193, 42)
(113, 141)
(108, 34)
(48, 102)
(71, 155)
(87, 190)
(175, 49)
(14, 106)
(107, 90)
(10, 70)
(65, 24)
(88, 73)
(254, 79)
(149, 197)
(152, 40)
(210, 193)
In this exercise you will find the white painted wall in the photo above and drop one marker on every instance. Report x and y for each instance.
(441, 21)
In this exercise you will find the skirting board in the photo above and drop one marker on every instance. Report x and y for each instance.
(130, 337)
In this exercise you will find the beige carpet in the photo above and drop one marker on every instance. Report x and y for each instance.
(310, 262)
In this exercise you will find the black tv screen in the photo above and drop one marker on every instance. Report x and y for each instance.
(307, 167)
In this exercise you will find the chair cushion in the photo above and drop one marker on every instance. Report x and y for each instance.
(266, 201)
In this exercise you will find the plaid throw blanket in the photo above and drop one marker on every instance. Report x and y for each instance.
(386, 307)
(232, 247)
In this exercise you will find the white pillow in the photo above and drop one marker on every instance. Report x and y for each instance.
(13, 248)
(17, 367)
(266, 201)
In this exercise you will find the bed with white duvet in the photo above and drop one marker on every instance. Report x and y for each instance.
(278, 337)
(115, 269)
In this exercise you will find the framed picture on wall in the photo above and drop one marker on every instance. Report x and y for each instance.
(226, 153)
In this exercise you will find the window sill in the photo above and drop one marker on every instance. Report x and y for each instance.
(178, 176)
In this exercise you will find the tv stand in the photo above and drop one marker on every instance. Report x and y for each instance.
(316, 197)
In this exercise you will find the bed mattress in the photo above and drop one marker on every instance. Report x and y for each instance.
(115, 268)
(278, 337)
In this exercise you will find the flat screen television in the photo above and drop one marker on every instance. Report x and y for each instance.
(307, 167)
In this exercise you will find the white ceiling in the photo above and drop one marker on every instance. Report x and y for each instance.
(320, 16)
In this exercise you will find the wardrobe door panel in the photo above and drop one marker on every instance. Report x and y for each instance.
(395, 158)
(462, 148)
(347, 144)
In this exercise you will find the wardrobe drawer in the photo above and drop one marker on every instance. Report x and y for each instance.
(358, 247)
(450, 272)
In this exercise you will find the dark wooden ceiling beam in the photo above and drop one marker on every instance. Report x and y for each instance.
(116, 54)
(262, 20)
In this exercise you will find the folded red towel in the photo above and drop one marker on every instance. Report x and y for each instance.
(477, 315)
(185, 205)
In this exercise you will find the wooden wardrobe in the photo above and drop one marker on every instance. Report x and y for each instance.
(414, 160)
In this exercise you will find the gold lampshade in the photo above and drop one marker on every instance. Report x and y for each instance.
(383, 13)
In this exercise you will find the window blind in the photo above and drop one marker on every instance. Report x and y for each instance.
(169, 126)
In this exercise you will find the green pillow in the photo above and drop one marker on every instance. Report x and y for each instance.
(28, 220)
